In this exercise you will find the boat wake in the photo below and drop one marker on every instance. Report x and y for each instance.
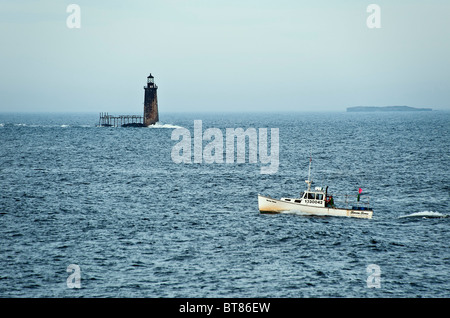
(297, 212)
(424, 214)
(161, 125)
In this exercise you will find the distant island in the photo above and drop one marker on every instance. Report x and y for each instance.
(385, 109)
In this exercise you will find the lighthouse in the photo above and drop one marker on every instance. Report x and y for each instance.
(150, 102)
(150, 117)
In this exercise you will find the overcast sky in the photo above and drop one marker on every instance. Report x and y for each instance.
(223, 55)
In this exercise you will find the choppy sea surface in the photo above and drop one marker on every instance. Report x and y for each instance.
(113, 202)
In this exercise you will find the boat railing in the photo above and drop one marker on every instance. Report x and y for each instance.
(351, 200)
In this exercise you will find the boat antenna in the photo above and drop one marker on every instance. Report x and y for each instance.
(309, 172)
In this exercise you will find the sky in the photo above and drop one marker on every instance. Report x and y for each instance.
(223, 55)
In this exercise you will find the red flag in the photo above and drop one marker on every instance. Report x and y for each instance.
(360, 191)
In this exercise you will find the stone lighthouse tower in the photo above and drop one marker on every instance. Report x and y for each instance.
(150, 102)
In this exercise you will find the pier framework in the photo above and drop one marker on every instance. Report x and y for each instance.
(107, 120)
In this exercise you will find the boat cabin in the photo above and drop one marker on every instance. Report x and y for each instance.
(317, 197)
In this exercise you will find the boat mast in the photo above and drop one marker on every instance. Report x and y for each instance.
(309, 174)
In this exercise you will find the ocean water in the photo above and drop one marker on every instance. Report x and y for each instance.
(112, 202)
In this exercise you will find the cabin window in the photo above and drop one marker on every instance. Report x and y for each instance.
(311, 196)
(319, 196)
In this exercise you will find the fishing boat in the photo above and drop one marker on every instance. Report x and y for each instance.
(316, 201)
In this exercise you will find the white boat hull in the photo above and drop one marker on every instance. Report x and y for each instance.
(270, 205)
